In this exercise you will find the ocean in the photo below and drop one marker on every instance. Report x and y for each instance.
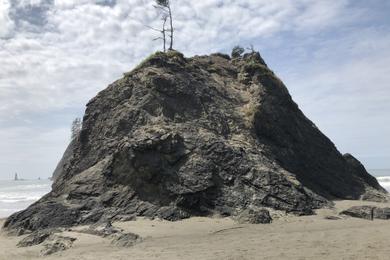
(383, 177)
(18, 195)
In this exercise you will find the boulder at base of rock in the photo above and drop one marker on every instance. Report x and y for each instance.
(375, 196)
(102, 230)
(382, 213)
(125, 239)
(366, 212)
(55, 244)
(36, 238)
(254, 216)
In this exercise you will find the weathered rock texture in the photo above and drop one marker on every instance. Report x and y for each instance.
(179, 136)
(367, 212)
(125, 239)
(36, 238)
(254, 216)
(56, 244)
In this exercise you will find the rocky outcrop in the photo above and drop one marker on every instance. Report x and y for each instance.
(56, 244)
(254, 216)
(125, 239)
(180, 137)
(102, 230)
(367, 212)
(382, 213)
(49, 239)
(36, 238)
(117, 235)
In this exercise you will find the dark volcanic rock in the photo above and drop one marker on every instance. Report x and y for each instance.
(125, 239)
(102, 230)
(42, 215)
(117, 236)
(366, 212)
(179, 137)
(56, 244)
(382, 213)
(36, 238)
(254, 216)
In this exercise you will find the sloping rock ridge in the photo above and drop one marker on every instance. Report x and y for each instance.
(179, 137)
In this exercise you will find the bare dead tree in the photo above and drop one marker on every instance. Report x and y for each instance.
(165, 7)
(163, 32)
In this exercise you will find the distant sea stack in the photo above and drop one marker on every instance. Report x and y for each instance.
(179, 137)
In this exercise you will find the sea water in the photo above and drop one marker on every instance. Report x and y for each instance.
(383, 177)
(18, 195)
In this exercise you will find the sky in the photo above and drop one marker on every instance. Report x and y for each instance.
(55, 55)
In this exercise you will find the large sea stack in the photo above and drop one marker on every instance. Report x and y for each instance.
(179, 137)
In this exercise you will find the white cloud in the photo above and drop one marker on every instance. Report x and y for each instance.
(83, 46)
(343, 87)
(5, 21)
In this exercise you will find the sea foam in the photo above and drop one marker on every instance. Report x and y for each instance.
(18, 195)
(384, 182)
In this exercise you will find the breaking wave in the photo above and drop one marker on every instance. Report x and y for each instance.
(18, 195)
(384, 182)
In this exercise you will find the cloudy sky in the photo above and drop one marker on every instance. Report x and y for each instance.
(334, 57)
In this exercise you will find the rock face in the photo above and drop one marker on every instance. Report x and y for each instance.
(367, 212)
(125, 239)
(254, 216)
(179, 137)
(382, 213)
(36, 238)
(51, 242)
(117, 235)
(56, 244)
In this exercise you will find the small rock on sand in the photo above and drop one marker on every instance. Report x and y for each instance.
(125, 239)
(254, 216)
(55, 244)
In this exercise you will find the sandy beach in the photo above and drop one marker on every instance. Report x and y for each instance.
(289, 237)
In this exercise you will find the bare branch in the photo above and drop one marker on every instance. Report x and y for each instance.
(166, 13)
(164, 9)
(150, 27)
(171, 25)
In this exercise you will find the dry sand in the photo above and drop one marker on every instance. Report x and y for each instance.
(289, 237)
